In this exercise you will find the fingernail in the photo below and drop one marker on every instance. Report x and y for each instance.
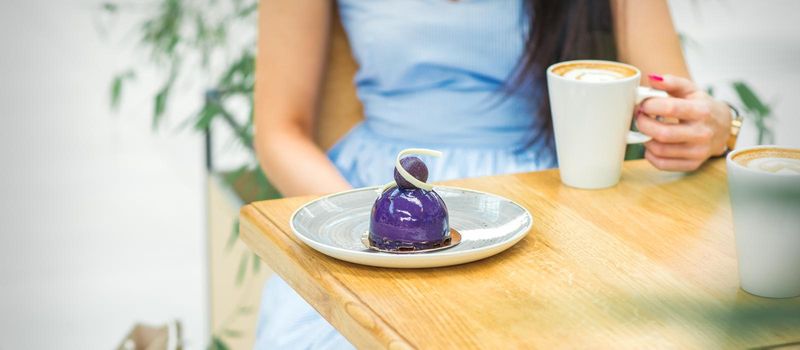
(655, 77)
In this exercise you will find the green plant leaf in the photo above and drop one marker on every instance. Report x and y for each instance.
(256, 264)
(758, 111)
(205, 38)
(241, 70)
(160, 102)
(252, 115)
(162, 33)
(220, 32)
(266, 190)
(116, 91)
(116, 87)
(765, 136)
(242, 268)
(109, 7)
(243, 133)
(247, 10)
(231, 178)
(750, 100)
(218, 344)
(211, 109)
(635, 151)
(206, 116)
(232, 333)
(234, 235)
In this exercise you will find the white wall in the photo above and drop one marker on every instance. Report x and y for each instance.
(754, 41)
(101, 220)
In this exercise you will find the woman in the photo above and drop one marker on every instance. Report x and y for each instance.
(465, 77)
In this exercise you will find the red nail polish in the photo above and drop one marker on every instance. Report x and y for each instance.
(655, 77)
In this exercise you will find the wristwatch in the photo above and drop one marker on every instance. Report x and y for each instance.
(737, 120)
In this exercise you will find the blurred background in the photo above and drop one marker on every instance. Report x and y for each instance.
(125, 159)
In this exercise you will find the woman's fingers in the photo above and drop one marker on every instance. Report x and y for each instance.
(677, 108)
(678, 150)
(674, 133)
(672, 164)
(699, 133)
(675, 86)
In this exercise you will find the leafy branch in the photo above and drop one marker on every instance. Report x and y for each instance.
(756, 110)
(188, 40)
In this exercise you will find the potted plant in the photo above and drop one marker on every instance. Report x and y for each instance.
(212, 42)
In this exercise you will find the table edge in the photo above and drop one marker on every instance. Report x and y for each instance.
(356, 320)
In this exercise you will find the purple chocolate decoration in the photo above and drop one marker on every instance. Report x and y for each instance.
(416, 167)
(408, 219)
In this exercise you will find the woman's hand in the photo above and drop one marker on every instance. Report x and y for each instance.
(701, 131)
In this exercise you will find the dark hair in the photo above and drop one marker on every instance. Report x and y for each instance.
(561, 30)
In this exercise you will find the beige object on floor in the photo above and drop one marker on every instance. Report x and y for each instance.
(233, 307)
(146, 337)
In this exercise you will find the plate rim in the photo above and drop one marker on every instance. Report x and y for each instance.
(406, 257)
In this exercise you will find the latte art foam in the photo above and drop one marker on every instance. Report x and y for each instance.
(588, 74)
(786, 166)
(589, 71)
(783, 161)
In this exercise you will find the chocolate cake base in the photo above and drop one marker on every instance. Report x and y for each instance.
(405, 247)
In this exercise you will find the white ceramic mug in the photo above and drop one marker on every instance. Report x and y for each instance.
(766, 220)
(591, 120)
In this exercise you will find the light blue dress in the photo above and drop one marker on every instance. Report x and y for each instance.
(431, 74)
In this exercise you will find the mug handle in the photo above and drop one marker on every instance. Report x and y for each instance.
(643, 93)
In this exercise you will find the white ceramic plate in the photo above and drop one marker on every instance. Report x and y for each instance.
(489, 224)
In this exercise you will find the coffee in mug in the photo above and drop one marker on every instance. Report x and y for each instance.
(592, 106)
(764, 186)
(594, 71)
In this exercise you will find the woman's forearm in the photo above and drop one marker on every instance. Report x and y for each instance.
(292, 47)
(296, 166)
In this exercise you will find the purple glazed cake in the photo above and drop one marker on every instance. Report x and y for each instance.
(406, 217)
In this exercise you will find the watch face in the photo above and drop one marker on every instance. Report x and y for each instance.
(736, 126)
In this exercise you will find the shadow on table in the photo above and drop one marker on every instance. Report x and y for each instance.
(747, 319)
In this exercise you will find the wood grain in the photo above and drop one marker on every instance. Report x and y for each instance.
(650, 263)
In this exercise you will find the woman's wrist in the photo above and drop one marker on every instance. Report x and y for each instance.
(724, 116)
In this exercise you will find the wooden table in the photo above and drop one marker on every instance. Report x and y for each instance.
(648, 263)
